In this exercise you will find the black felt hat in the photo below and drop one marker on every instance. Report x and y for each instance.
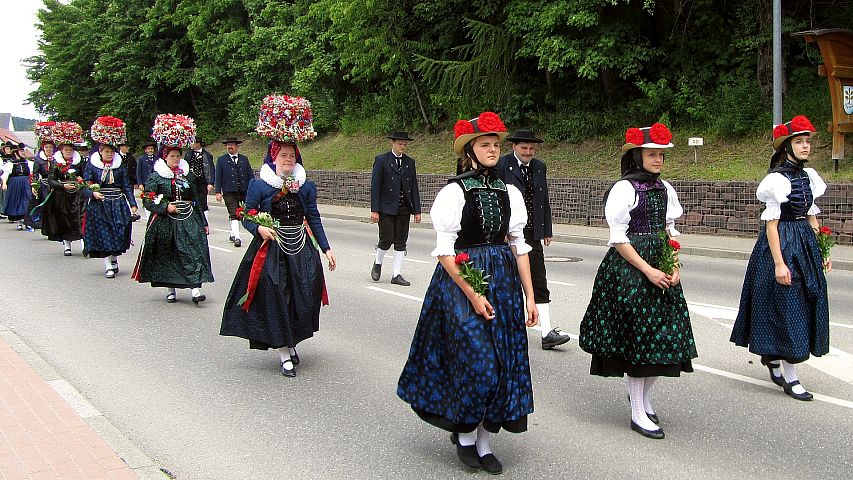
(232, 140)
(524, 136)
(399, 136)
(149, 144)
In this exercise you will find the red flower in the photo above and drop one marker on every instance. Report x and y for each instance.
(49, 123)
(462, 127)
(801, 124)
(253, 213)
(675, 245)
(110, 121)
(780, 131)
(634, 136)
(660, 134)
(825, 231)
(490, 122)
(461, 258)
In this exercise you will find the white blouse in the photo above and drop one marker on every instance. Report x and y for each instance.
(446, 216)
(623, 198)
(775, 188)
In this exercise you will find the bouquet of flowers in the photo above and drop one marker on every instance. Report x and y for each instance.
(95, 187)
(825, 242)
(291, 184)
(472, 275)
(263, 219)
(669, 256)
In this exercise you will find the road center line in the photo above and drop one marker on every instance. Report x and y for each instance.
(702, 368)
(406, 259)
(562, 283)
(220, 249)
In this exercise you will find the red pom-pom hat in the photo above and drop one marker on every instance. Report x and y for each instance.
(799, 125)
(488, 123)
(656, 136)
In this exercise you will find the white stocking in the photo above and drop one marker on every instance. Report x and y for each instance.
(544, 317)
(638, 414)
(483, 447)
(468, 439)
(284, 356)
(380, 255)
(398, 261)
(107, 264)
(647, 394)
(789, 373)
(66, 244)
(235, 228)
(196, 292)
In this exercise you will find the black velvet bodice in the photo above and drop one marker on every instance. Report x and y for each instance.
(20, 169)
(485, 216)
(288, 210)
(800, 199)
(650, 214)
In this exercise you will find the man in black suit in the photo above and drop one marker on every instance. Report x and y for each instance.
(233, 173)
(201, 165)
(394, 198)
(529, 175)
(144, 167)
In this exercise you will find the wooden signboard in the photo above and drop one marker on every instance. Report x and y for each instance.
(836, 47)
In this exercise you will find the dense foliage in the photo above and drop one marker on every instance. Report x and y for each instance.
(569, 68)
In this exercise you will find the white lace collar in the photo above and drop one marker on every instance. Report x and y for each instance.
(162, 169)
(96, 162)
(269, 176)
(57, 157)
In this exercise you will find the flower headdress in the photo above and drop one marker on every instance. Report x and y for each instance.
(656, 136)
(109, 131)
(488, 123)
(172, 130)
(44, 131)
(799, 125)
(286, 119)
(67, 133)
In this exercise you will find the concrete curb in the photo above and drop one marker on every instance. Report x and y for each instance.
(142, 465)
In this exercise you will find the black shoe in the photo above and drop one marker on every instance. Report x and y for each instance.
(653, 434)
(799, 396)
(653, 417)
(199, 298)
(171, 298)
(376, 272)
(468, 454)
(67, 252)
(491, 464)
(399, 280)
(230, 238)
(115, 267)
(553, 339)
(295, 357)
(19, 227)
(110, 274)
(237, 242)
(288, 372)
(778, 380)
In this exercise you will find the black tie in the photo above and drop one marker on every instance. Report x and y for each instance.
(525, 173)
(398, 161)
(234, 159)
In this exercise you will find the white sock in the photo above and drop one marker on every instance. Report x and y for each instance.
(789, 373)
(66, 245)
(170, 291)
(235, 228)
(284, 356)
(544, 317)
(108, 265)
(647, 394)
(398, 261)
(196, 292)
(380, 255)
(114, 259)
(483, 447)
(777, 368)
(638, 414)
(467, 439)
(207, 218)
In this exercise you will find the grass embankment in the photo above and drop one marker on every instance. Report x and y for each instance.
(719, 159)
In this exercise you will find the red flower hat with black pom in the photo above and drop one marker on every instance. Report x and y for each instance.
(488, 123)
(799, 125)
(656, 136)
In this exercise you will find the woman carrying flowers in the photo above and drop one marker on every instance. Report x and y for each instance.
(637, 323)
(62, 207)
(278, 290)
(784, 309)
(106, 185)
(174, 253)
(468, 371)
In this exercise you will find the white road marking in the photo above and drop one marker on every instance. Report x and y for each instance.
(842, 325)
(832, 363)
(562, 283)
(220, 249)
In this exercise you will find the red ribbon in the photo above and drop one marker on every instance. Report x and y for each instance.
(255, 274)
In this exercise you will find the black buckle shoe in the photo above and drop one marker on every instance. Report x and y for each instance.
(653, 434)
(491, 464)
(468, 454)
(294, 358)
(376, 272)
(199, 298)
(778, 380)
(789, 389)
(554, 339)
(288, 372)
(171, 298)
(237, 242)
(399, 280)
(67, 252)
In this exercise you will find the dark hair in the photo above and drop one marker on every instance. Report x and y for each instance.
(781, 154)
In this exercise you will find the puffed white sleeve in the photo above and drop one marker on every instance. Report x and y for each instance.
(6, 170)
(517, 220)
(446, 217)
(818, 187)
(773, 191)
(674, 209)
(617, 211)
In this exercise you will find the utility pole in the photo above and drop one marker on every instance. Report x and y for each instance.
(777, 62)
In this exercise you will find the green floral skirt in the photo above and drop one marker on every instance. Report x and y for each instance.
(633, 327)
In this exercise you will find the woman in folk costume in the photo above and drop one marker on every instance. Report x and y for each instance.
(62, 208)
(468, 371)
(16, 180)
(43, 167)
(278, 290)
(107, 187)
(784, 308)
(637, 323)
(174, 253)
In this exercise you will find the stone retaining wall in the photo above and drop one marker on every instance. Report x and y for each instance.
(711, 208)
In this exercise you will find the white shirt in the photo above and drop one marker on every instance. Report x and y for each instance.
(623, 198)
(775, 188)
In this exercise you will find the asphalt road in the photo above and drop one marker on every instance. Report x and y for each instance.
(205, 407)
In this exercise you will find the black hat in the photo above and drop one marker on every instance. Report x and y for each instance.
(200, 141)
(399, 136)
(232, 140)
(149, 143)
(524, 136)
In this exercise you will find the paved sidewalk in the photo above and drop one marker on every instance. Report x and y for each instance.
(43, 437)
(692, 244)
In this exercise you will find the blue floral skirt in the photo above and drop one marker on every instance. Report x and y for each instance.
(18, 195)
(108, 227)
(462, 369)
(778, 321)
